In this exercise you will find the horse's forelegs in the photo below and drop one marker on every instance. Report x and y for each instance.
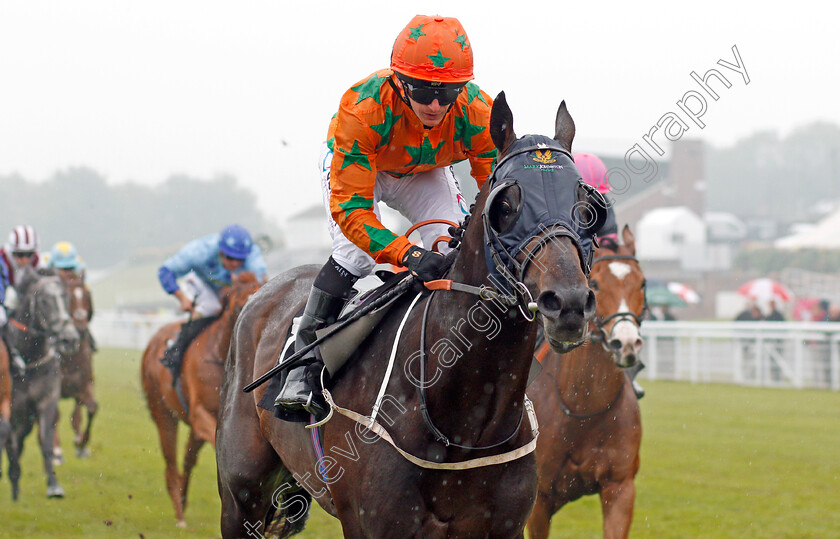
(5, 434)
(617, 500)
(167, 427)
(540, 520)
(203, 423)
(83, 437)
(58, 454)
(47, 416)
(13, 454)
(194, 444)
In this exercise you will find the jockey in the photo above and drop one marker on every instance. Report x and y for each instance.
(395, 136)
(207, 264)
(21, 250)
(64, 258)
(594, 172)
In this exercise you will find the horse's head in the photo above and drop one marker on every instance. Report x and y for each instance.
(236, 295)
(44, 310)
(79, 299)
(538, 219)
(619, 286)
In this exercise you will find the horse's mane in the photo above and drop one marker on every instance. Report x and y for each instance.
(246, 277)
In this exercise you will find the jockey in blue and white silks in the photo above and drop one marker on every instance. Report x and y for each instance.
(207, 264)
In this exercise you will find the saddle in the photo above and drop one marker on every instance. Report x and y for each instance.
(173, 357)
(340, 346)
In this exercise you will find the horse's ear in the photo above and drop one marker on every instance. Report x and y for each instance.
(564, 127)
(629, 239)
(501, 124)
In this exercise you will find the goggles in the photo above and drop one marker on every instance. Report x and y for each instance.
(226, 257)
(424, 92)
(23, 254)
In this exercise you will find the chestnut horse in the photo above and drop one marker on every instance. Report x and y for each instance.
(590, 423)
(77, 368)
(450, 446)
(201, 376)
(5, 400)
(40, 330)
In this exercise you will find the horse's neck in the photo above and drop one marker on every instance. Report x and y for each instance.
(30, 340)
(588, 379)
(483, 390)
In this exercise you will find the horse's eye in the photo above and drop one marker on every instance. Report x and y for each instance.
(504, 209)
(594, 285)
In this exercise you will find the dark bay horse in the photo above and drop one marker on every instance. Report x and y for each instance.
(590, 425)
(444, 374)
(41, 330)
(200, 379)
(77, 368)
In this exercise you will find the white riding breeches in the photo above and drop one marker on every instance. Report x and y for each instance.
(204, 298)
(434, 194)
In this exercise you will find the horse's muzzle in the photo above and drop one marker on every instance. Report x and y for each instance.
(68, 339)
(565, 316)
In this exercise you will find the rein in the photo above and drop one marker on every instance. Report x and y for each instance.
(421, 389)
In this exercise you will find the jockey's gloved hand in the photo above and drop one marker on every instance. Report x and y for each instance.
(423, 264)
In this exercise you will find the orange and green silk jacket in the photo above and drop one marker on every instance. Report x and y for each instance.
(376, 131)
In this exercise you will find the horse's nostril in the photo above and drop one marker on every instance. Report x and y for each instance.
(549, 304)
(591, 304)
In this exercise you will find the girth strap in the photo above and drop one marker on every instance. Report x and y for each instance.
(380, 431)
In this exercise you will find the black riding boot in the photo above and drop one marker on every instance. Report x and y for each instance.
(631, 373)
(173, 356)
(321, 309)
(16, 363)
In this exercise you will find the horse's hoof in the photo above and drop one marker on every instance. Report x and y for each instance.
(58, 460)
(55, 492)
(181, 524)
(83, 452)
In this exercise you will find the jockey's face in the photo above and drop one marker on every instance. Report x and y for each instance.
(431, 114)
(66, 273)
(23, 258)
(230, 264)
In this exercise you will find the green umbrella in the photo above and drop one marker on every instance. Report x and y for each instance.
(657, 294)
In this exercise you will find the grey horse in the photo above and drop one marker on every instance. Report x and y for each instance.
(41, 328)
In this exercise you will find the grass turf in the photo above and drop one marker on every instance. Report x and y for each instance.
(717, 461)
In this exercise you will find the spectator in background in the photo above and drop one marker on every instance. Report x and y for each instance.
(820, 311)
(776, 345)
(834, 313)
(750, 314)
(667, 314)
(775, 315)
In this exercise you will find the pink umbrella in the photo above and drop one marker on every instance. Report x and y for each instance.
(803, 308)
(766, 289)
(687, 294)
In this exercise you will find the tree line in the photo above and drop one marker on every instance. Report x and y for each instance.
(110, 224)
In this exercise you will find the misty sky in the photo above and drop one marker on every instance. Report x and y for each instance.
(140, 90)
